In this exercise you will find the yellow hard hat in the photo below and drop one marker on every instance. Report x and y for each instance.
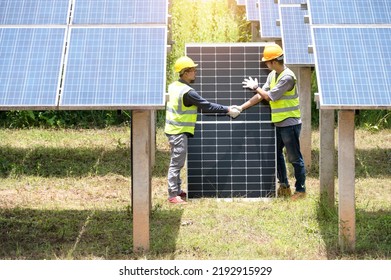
(272, 52)
(183, 63)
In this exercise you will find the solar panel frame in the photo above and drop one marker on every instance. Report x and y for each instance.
(349, 77)
(37, 12)
(120, 12)
(268, 15)
(225, 155)
(128, 71)
(30, 67)
(296, 36)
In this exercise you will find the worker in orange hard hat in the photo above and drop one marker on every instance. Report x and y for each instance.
(281, 92)
(181, 117)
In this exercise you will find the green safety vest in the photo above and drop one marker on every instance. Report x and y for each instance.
(288, 105)
(179, 118)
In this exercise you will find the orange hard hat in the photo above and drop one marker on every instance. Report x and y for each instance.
(183, 63)
(272, 52)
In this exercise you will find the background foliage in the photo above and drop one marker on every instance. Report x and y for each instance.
(193, 21)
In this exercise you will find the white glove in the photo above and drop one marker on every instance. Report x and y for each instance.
(250, 83)
(233, 111)
(237, 107)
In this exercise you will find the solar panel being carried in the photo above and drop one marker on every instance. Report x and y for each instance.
(30, 66)
(353, 66)
(230, 158)
(296, 36)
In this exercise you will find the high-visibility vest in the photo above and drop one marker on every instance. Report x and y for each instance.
(179, 118)
(288, 105)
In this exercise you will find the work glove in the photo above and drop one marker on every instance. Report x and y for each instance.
(250, 83)
(233, 111)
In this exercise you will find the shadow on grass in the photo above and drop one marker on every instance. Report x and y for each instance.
(72, 162)
(87, 234)
(375, 162)
(373, 233)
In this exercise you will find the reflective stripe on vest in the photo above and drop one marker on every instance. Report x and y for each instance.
(179, 118)
(288, 105)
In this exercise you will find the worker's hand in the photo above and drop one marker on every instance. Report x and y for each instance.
(250, 83)
(233, 111)
(237, 107)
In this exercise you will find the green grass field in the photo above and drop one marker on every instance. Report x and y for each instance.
(65, 194)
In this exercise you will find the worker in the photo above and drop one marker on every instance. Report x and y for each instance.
(181, 115)
(280, 91)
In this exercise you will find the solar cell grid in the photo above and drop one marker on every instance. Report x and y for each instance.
(296, 36)
(18, 12)
(115, 67)
(30, 65)
(349, 76)
(252, 11)
(120, 11)
(230, 157)
(350, 11)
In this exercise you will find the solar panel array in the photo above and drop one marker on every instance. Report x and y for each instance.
(227, 157)
(82, 54)
(352, 52)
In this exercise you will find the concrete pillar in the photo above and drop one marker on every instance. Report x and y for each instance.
(346, 176)
(304, 88)
(141, 178)
(326, 155)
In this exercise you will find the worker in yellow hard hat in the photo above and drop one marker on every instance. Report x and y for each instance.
(281, 92)
(181, 116)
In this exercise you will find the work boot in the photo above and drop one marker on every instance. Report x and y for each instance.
(284, 191)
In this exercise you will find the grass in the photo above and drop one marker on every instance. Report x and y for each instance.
(65, 194)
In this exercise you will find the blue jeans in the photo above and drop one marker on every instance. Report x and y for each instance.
(288, 137)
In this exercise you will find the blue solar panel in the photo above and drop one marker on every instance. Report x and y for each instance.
(296, 36)
(115, 67)
(252, 10)
(120, 11)
(353, 66)
(30, 65)
(19, 12)
(268, 15)
(350, 11)
(282, 2)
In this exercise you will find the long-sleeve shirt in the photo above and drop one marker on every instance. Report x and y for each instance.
(204, 106)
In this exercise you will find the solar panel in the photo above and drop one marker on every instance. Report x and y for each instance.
(296, 36)
(120, 11)
(282, 2)
(115, 67)
(18, 12)
(30, 65)
(252, 11)
(350, 11)
(241, 2)
(227, 157)
(353, 66)
(268, 14)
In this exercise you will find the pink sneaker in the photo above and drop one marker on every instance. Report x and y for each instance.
(176, 200)
(183, 195)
